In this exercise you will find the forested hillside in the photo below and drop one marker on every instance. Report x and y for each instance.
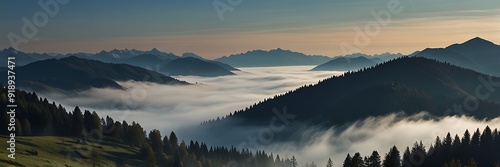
(36, 116)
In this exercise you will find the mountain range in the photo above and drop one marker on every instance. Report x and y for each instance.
(355, 61)
(23, 58)
(77, 74)
(345, 64)
(477, 54)
(407, 84)
(276, 57)
(378, 58)
(153, 59)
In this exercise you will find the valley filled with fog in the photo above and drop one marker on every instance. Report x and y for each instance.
(169, 108)
(183, 108)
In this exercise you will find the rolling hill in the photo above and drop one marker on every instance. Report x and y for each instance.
(409, 84)
(65, 151)
(193, 66)
(76, 74)
(223, 65)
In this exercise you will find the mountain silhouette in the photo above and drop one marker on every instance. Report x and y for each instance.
(477, 54)
(409, 84)
(345, 64)
(148, 61)
(193, 66)
(276, 57)
(153, 59)
(167, 64)
(378, 58)
(189, 54)
(223, 65)
(355, 61)
(77, 74)
(23, 58)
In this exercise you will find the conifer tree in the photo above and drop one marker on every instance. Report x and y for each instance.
(392, 159)
(77, 126)
(329, 163)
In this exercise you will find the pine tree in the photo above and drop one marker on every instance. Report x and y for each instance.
(456, 144)
(77, 126)
(329, 163)
(474, 142)
(393, 158)
(117, 130)
(447, 142)
(109, 126)
(167, 147)
(374, 160)
(293, 162)
(87, 119)
(125, 128)
(465, 144)
(347, 161)
(277, 161)
(93, 125)
(357, 160)
(466, 138)
(147, 155)
(174, 142)
(407, 156)
(486, 138)
(136, 134)
(156, 142)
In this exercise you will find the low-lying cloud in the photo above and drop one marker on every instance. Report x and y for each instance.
(375, 133)
(183, 108)
(169, 108)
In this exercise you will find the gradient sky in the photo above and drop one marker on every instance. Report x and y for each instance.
(311, 27)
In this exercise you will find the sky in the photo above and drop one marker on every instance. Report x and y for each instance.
(317, 27)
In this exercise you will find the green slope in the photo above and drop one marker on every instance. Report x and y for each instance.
(65, 151)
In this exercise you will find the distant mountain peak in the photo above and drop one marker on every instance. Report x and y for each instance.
(474, 43)
(11, 50)
(478, 40)
(190, 54)
(274, 57)
(280, 50)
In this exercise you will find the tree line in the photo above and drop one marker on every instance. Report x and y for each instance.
(478, 149)
(36, 116)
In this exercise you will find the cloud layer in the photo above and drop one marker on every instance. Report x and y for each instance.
(182, 108)
(172, 107)
(380, 133)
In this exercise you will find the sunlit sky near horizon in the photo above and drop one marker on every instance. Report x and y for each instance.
(311, 27)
